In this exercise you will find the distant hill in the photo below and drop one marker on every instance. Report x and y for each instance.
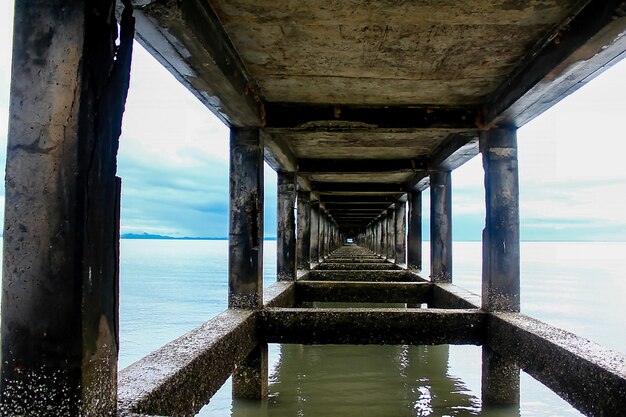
(155, 237)
(151, 236)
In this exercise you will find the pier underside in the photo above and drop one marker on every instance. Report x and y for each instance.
(359, 106)
(182, 376)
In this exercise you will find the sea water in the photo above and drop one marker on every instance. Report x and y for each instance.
(168, 287)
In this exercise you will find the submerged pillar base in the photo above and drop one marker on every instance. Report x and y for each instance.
(250, 379)
(500, 379)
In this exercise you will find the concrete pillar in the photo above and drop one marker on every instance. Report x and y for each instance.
(245, 247)
(441, 226)
(500, 382)
(286, 227)
(501, 247)
(61, 228)
(245, 240)
(383, 235)
(315, 231)
(501, 256)
(391, 233)
(303, 240)
(400, 234)
(414, 244)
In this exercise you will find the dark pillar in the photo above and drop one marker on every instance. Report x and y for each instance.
(303, 241)
(383, 235)
(500, 384)
(61, 231)
(391, 233)
(400, 255)
(245, 245)
(501, 249)
(441, 226)
(286, 227)
(250, 379)
(414, 246)
(315, 231)
(501, 256)
(245, 240)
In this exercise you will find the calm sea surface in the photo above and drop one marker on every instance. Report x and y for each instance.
(169, 287)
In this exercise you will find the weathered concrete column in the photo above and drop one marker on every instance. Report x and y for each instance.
(501, 256)
(245, 240)
(391, 233)
(400, 234)
(303, 240)
(501, 248)
(245, 250)
(61, 228)
(315, 231)
(500, 382)
(286, 227)
(441, 226)
(383, 235)
(322, 243)
(414, 244)
(379, 236)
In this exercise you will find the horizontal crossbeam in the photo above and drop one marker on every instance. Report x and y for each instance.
(329, 117)
(366, 292)
(373, 326)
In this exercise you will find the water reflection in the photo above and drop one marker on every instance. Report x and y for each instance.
(378, 381)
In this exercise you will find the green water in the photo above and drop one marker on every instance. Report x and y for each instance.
(168, 288)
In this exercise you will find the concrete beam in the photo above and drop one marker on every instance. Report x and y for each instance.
(363, 292)
(329, 117)
(278, 154)
(354, 266)
(189, 40)
(454, 151)
(180, 377)
(280, 294)
(446, 295)
(372, 326)
(343, 166)
(573, 54)
(588, 376)
(365, 275)
(355, 187)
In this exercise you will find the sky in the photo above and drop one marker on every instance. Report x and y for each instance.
(173, 161)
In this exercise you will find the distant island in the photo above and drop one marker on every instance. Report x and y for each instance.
(158, 237)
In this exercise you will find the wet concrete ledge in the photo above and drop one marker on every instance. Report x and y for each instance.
(359, 260)
(588, 376)
(360, 326)
(179, 378)
(452, 296)
(280, 294)
(378, 266)
(364, 275)
(365, 292)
